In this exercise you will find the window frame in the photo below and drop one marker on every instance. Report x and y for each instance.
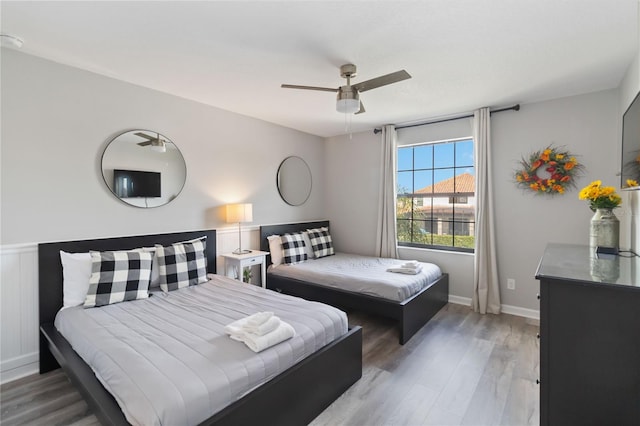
(449, 220)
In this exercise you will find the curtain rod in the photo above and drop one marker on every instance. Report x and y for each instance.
(515, 107)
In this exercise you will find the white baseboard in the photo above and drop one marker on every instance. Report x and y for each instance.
(521, 312)
(459, 300)
(16, 368)
(505, 309)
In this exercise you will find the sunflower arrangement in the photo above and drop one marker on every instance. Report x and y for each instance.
(600, 197)
(548, 171)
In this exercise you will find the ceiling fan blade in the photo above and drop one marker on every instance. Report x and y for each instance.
(144, 143)
(144, 135)
(361, 110)
(394, 77)
(294, 86)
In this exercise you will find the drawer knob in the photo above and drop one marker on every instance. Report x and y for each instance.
(538, 335)
(538, 296)
(537, 381)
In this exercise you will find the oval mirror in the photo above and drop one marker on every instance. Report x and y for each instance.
(143, 168)
(294, 181)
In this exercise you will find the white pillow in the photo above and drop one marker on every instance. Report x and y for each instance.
(76, 272)
(275, 247)
(307, 245)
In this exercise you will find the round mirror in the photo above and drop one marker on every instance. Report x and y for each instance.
(143, 168)
(294, 181)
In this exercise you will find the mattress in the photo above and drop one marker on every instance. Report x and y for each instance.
(361, 274)
(166, 359)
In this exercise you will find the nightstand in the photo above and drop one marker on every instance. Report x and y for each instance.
(240, 261)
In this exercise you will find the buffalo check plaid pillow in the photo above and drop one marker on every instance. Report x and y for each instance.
(321, 242)
(182, 264)
(293, 249)
(117, 276)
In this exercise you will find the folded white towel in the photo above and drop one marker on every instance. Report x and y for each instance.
(408, 271)
(411, 264)
(259, 343)
(264, 328)
(258, 319)
(245, 325)
(236, 328)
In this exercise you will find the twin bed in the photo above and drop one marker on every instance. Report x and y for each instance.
(177, 366)
(165, 359)
(360, 283)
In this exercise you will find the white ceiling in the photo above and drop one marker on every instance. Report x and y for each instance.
(462, 54)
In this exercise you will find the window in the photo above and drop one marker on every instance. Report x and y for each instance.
(435, 206)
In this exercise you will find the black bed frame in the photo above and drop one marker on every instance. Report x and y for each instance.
(294, 397)
(411, 314)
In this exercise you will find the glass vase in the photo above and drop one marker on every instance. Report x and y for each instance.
(605, 229)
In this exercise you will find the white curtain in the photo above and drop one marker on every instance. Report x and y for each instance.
(386, 236)
(486, 289)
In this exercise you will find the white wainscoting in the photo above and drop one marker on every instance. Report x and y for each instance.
(19, 342)
(18, 311)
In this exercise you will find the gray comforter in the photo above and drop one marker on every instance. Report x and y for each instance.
(167, 360)
(361, 274)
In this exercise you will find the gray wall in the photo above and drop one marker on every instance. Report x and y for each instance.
(587, 125)
(57, 120)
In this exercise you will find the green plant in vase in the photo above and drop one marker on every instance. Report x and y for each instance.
(246, 275)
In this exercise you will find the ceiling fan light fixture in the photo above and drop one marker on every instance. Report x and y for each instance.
(349, 95)
(348, 106)
(348, 100)
(158, 145)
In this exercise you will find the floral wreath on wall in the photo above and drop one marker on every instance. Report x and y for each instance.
(548, 171)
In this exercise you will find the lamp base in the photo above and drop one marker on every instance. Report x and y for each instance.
(239, 251)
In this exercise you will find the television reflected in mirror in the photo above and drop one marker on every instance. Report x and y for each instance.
(631, 145)
(136, 184)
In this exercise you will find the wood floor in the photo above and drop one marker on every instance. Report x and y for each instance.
(462, 368)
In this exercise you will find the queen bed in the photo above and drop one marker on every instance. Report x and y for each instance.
(359, 282)
(197, 375)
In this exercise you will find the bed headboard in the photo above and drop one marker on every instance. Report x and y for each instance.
(50, 266)
(268, 230)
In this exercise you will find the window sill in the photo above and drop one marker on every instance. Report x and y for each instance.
(410, 249)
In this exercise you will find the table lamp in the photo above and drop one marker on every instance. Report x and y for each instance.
(240, 213)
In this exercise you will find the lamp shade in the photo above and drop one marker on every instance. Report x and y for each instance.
(237, 213)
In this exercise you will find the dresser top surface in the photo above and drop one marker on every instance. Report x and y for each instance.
(581, 263)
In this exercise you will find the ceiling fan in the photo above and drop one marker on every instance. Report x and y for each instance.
(348, 95)
(156, 143)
